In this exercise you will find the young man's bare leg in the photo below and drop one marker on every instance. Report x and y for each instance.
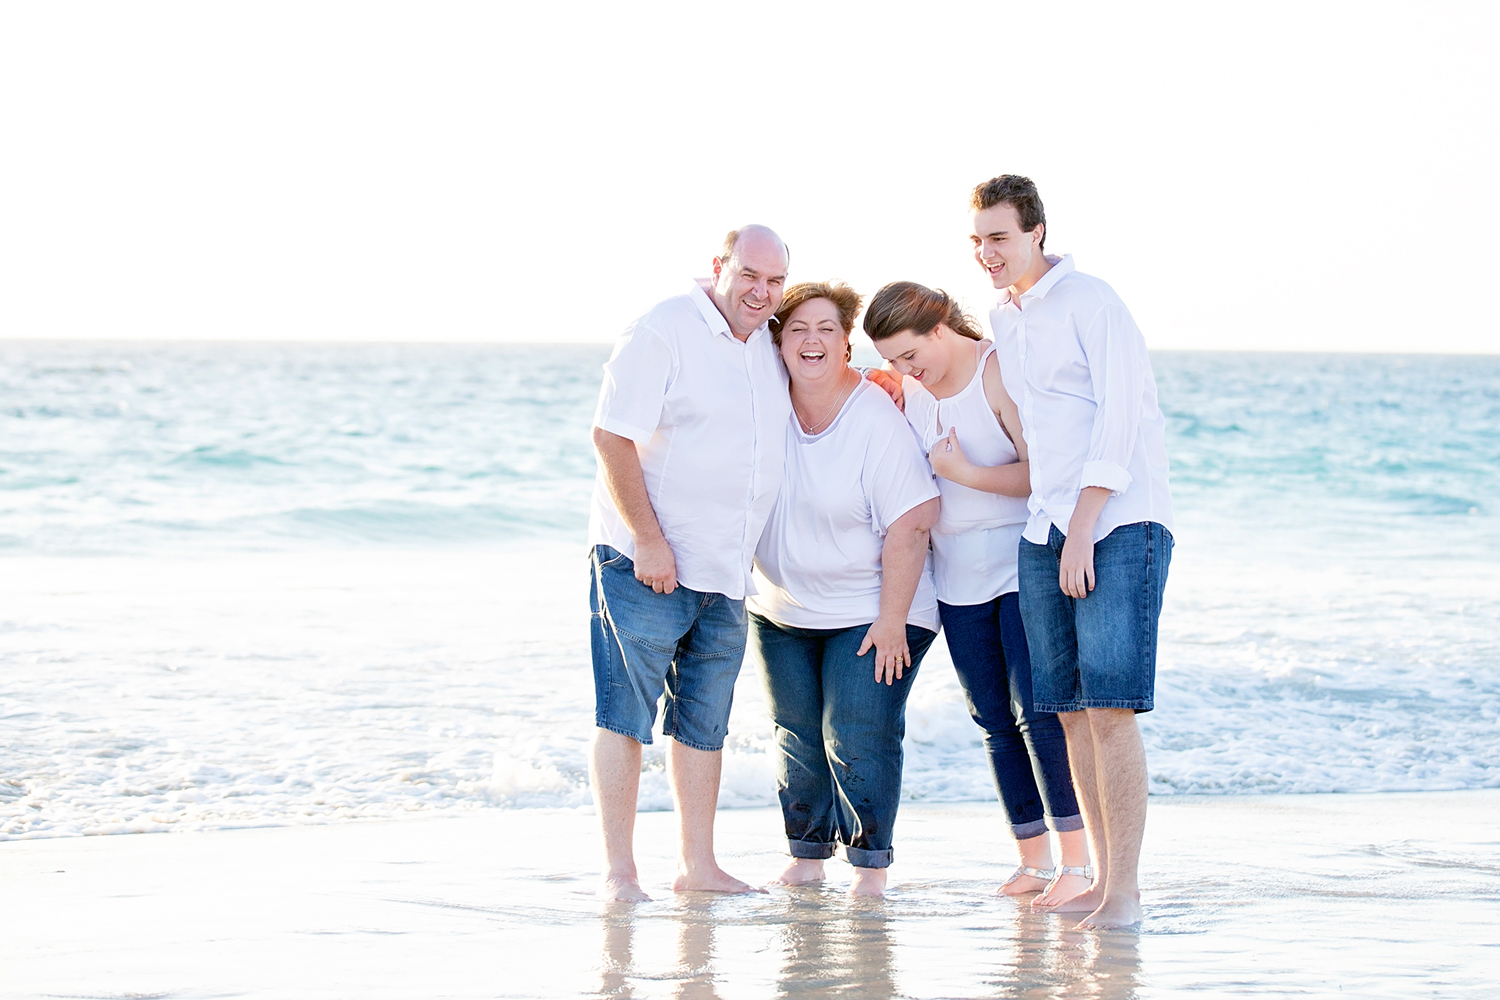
(615, 774)
(694, 775)
(1120, 769)
(1081, 759)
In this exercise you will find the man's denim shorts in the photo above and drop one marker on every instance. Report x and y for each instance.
(688, 643)
(1098, 651)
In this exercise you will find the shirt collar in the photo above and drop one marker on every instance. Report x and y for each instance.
(1061, 268)
(711, 315)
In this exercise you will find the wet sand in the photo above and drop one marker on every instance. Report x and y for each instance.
(1394, 895)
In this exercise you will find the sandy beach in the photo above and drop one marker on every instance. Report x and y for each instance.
(1326, 895)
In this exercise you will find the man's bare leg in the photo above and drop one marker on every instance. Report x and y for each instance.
(694, 775)
(1081, 760)
(1120, 769)
(615, 774)
(801, 871)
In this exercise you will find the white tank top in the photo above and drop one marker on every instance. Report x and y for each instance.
(975, 540)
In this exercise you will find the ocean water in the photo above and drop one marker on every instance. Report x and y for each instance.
(255, 584)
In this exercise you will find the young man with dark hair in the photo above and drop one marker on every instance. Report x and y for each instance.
(1095, 550)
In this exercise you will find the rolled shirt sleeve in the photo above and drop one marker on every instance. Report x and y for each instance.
(1118, 366)
(636, 379)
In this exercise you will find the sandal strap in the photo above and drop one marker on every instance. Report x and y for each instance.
(1087, 871)
(1045, 874)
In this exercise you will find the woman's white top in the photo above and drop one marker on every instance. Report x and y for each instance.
(818, 562)
(975, 540)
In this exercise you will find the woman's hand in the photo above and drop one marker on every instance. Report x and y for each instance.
(948, 459)
(892, 656)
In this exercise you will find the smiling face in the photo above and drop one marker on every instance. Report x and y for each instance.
(1008, 254)
(748, 284)
(814, 343)
(926, 357)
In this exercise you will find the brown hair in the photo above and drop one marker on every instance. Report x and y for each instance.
(845, 299)
(906, 305)
(1019, 193)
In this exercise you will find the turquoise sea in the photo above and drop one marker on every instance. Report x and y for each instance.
(271, 583)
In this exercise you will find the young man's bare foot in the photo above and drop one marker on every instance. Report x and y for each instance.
(1120, 911)
(622, 889)
(1085, 902)
(868, 882)
(713, 879)
(1020, 883)
(1061, 890)
(802, 871)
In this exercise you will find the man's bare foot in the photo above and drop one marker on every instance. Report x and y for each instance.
(622, 889)
(802, 871)
(713, 879)
(868, 882)
(1120, 911)
(1085, 902)
(1019, 884)
(1061, 890)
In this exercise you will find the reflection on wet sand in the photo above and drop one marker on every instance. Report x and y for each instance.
(824, 944)
(833, 946)
(1045, 958)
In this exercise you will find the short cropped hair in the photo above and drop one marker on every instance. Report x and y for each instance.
(906, 305)
(845, 299)
(1019, 193)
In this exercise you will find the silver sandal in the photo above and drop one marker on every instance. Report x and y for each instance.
(1087, 871)
(1048, 875)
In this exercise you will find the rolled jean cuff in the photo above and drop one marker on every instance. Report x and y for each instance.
(809, 849)
(859, 857)
(1065, 824)
(1025, 831)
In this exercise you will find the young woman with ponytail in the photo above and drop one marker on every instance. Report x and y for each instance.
(970, 428)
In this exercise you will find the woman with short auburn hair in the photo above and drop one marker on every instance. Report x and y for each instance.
(953, 393)
(846, 607)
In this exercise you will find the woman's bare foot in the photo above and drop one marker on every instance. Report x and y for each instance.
(1020, 883)
(1061, 890)
(713, 879)
(1084, 902)
(622, 889)
(802, 871)
(868, 882)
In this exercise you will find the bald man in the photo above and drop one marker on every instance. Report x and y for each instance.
(690, 432)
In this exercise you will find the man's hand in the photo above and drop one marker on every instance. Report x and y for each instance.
(655, 566)
(948, 459)
(892, 656)
(891, 383)
(1075, 572)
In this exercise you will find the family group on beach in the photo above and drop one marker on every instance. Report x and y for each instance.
(755, 489)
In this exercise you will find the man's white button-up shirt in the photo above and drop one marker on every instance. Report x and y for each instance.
(1076, 365)
(708, 416)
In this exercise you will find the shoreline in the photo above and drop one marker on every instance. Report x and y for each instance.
(1376, 894)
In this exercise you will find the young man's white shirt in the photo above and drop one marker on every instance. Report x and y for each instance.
(1074, 361)
(708, 417)
(818, 564)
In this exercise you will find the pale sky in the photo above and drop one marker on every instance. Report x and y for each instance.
(1276, 176)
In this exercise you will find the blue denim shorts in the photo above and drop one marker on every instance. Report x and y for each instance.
(686, 643)
(1098, 651)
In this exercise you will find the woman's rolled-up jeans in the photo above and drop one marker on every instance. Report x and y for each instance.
(838, 733)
